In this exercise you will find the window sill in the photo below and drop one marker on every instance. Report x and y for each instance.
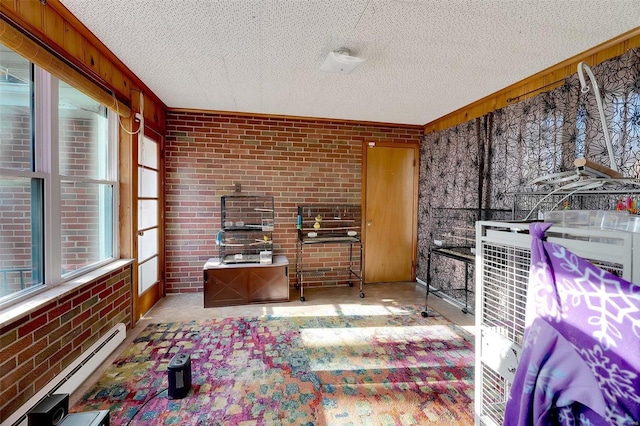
(21, 309)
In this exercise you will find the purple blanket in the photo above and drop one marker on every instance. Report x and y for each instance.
(580, 363)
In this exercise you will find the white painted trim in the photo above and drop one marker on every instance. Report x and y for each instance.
(36, 301)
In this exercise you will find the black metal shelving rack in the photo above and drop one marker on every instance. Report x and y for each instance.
(325, 224)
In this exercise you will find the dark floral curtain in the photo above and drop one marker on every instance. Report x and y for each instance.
(481, 164)
(619, 81)
(448, 194)
(527, 140)
(545, 134)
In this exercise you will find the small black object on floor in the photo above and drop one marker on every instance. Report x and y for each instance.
(179, 370)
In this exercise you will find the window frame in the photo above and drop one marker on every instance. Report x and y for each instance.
(45, 168)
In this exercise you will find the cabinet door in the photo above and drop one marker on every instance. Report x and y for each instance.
(225, 287)
(268, 284)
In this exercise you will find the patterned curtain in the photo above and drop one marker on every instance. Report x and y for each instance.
(448, 193)
(528, 139)
(619, 81)
(545, 134)
(481, 163)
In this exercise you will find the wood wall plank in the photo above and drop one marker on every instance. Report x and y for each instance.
(91, 56)
(8, 4)
(31, 11)
(105, 68)
(34, 52)
(55, 27)
(73, 42)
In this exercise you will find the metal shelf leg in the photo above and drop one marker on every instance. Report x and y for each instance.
(425, 312)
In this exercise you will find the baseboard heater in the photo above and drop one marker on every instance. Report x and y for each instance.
(77, 372)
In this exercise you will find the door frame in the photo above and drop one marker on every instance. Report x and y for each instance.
(414, 219)
(145, 301)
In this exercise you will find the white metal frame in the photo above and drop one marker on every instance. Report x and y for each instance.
(502, 270)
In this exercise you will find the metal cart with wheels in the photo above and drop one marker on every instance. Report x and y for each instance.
(329, 226)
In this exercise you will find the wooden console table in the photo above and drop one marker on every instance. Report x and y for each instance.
(227, 284)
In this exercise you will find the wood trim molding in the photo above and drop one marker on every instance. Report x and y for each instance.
(51, 25)
(299, 118)
(549, 78)
(34, 52)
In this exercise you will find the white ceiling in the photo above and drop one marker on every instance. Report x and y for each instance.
(424, 58)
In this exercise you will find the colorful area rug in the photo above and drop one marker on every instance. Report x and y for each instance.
(398, 369)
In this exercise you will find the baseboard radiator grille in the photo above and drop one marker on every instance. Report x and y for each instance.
(75, 374)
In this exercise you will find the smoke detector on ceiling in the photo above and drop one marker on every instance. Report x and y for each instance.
(340, 61)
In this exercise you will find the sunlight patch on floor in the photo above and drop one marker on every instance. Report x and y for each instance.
(332, 309)
(469, 328)
(347, 348)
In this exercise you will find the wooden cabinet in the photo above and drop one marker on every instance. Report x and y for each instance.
(227, 284)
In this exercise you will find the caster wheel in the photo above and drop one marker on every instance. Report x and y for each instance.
(302, 299)
(350, 284)
(361, 295)
(424, 314)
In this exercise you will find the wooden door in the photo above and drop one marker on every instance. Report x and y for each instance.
(150, 224)
(390, 187)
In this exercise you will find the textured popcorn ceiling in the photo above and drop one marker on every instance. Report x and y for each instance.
(424, 58)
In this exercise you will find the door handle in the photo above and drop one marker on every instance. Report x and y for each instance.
(369, 223)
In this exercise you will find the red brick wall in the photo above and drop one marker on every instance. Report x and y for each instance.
(296, 161)
(37, 347)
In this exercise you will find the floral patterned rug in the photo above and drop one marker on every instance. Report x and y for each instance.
(397, 369)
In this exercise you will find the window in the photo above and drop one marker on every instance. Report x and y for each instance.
(86, 194)
(58, 180)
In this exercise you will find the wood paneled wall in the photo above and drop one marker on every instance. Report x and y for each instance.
(52, 25)
(545, 80)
